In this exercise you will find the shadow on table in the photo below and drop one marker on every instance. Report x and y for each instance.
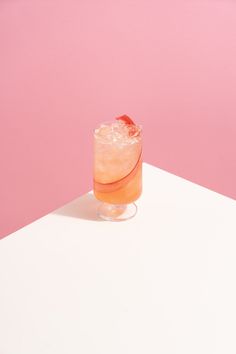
(84, 207)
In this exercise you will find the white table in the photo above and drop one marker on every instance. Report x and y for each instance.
(163, 282)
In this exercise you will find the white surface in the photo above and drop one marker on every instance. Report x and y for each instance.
(163, 282)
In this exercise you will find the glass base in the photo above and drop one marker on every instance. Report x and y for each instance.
(116, 212)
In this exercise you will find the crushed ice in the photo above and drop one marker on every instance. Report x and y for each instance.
(118, 132)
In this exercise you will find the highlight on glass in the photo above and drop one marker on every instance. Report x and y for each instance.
(118, 168)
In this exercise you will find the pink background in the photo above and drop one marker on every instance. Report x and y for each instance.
(67, 65)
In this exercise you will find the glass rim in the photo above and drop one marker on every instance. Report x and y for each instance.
(112, 121)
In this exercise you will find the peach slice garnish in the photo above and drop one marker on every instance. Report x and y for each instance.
(126, 119)
(133, 129)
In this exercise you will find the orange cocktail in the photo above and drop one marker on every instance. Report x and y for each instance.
(118, 167)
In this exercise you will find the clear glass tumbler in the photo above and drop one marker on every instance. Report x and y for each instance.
(117, 168)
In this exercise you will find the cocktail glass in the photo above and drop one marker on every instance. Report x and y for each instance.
(118, 168)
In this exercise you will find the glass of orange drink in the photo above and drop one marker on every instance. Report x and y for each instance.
(117, 168)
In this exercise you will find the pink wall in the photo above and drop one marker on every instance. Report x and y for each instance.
(66, 65)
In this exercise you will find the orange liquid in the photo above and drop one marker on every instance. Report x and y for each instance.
(127, 193)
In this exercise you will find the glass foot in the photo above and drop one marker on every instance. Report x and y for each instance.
(117, 212)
